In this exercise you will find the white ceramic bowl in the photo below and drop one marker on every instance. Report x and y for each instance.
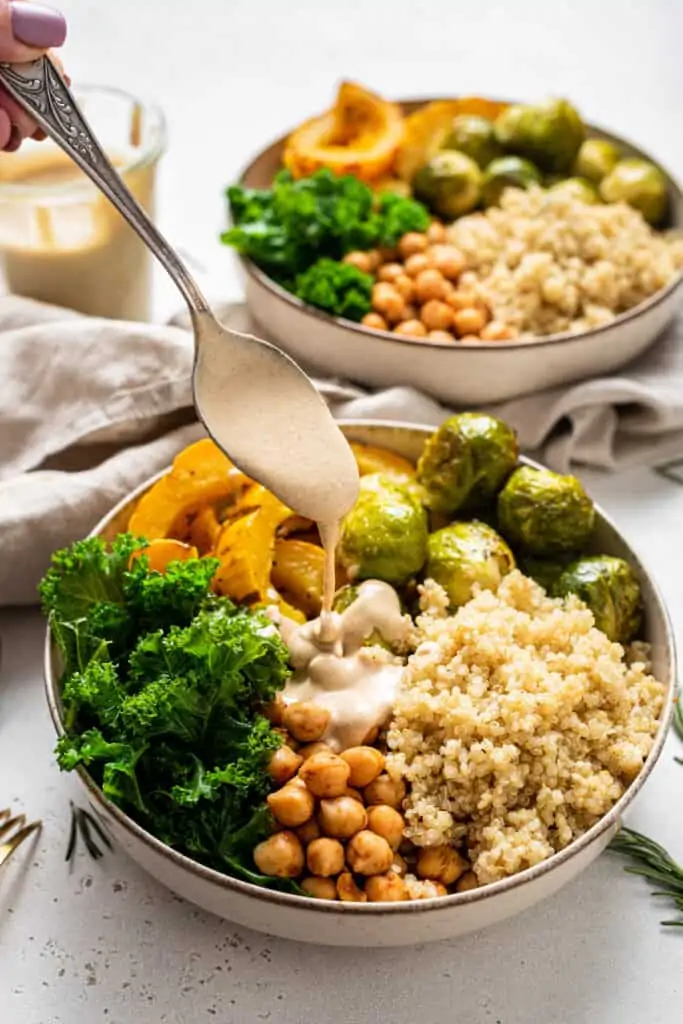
(379, 924)
(454, 374)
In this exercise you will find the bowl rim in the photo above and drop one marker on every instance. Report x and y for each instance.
(307, 903)
(593, 130)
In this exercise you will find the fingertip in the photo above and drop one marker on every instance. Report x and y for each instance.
(5, 128)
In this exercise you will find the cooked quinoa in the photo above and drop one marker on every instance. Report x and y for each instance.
(547, 263)
(517, 725)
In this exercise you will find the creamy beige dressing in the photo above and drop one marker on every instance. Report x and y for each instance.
(73, 248)
(273, 424)
(356, 684)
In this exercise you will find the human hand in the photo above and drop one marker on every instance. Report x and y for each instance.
(27, 31)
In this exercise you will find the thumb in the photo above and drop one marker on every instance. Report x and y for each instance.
(28, 29)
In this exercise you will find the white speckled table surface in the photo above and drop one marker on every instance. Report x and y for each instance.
(103, 942)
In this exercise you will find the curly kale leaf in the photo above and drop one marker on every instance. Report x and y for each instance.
(338, 288)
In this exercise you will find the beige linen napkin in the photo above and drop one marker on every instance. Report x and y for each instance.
(90, 408)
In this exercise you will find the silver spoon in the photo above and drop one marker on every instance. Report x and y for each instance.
(254, 401)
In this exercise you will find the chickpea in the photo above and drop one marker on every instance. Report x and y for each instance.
(325, 857)
(355, 794)
(384, 790)
(284, 764)
(436, 233)
(361, 260)
(387, 888)
(342, 817)
(306, 721)
(448, 260)
(414, 265)
(410, 312)
(387, 301)
(389, 272)
(466, 882)
(319, 888)
(468, 321)
(313, 748)
(387, 254)
(309, 831)
(375, 258)
(326, 775)
(444, 336)
(496, 330)
(365, 763)
(411, 329)
(436, 315)
(369, 854)
(375, 322)
(348, 891)
(292, 805)
(405, 287)
(460, 299)
(430, 284)
(385, 821)
(281, 856)
(412, 243)
(470, 339)
(273, 710)
(440, 864)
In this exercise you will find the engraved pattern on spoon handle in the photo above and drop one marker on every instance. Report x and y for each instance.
(42, 92)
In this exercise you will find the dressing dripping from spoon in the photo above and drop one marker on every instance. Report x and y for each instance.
(255, 402)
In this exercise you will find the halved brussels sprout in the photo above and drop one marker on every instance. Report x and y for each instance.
(549, 133)
(545, 513)
(450, 184)
(463, 555)
(384, 536)
(466, 461)
(640, 184)
(577, 188)
(595, 159)
(611, 590)
(507, 172)
(473, 136)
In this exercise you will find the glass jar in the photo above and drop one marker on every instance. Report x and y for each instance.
(61, 241)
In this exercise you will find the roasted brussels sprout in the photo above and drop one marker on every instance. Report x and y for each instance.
(466, 461)
(450, 184)
(611, 590)
(545, 513)
(550, 133)
(384, 536)
(640, 184)
(507, 172)
(474, 137)
(595, 159)
(577, 188)
(464, 554)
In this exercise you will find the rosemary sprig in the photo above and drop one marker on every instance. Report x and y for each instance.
(84, 824)
(654, 863)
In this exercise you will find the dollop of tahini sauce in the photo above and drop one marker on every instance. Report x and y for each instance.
(333, 668)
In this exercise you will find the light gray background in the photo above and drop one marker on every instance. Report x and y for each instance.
(106, 944)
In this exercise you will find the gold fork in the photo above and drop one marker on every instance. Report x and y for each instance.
(16, 830)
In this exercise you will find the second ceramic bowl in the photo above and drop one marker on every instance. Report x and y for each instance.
(454, 374)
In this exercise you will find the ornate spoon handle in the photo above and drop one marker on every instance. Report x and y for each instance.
(42, 92)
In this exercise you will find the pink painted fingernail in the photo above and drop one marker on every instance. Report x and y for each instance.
(36, 25)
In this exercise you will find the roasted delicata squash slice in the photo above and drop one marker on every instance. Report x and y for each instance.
(246, 546)
(379, 460)
(426, 129)
(204, 529)
(201, 474)
(360, 135)
(298, 573)
(163, 550)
